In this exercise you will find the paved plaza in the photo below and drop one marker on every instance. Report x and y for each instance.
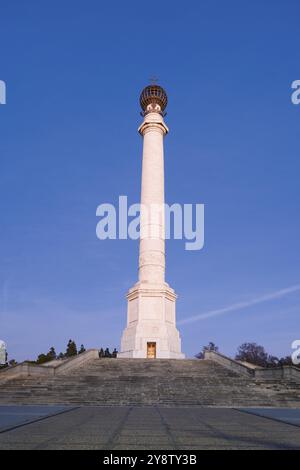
(153, 427)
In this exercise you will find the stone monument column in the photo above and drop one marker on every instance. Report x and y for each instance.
(152, 225)
(151, 318)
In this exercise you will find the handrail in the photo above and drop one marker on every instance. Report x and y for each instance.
(25, 369)
(267, 373)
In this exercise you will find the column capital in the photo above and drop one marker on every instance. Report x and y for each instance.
(153, 121)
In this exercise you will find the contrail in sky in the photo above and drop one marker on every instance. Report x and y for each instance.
(213, 313)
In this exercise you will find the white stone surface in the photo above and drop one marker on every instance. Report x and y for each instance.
(2, 352)
(151, 312)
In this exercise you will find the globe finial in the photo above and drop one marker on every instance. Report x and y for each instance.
(153, 99)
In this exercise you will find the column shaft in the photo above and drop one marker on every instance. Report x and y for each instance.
(152, 239)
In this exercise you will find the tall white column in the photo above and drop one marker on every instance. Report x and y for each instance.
(152, 225)
(151, 316)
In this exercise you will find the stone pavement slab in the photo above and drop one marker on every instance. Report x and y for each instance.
(15, 415)
(153, 428)
(286, 415)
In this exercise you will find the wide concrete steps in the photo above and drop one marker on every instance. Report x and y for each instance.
(164, 382)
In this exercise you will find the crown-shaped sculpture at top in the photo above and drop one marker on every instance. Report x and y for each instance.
(153, 99)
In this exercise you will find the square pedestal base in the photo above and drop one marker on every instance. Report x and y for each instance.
(151, 330)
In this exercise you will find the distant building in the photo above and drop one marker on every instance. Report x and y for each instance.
(3, 353)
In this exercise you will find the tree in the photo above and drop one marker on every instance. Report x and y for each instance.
(51, 354)
(253, 353)
(82, 349)
(12, 362)
(210, 347)
(71, 349)
(273, 361)
(285, 361)
(42, 358)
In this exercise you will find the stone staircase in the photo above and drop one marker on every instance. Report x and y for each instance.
(165, 382)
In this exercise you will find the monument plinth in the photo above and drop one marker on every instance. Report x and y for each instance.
(151, 315)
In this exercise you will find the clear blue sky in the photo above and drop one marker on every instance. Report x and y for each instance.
(69, 141)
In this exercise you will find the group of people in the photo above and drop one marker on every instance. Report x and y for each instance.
(107, 353)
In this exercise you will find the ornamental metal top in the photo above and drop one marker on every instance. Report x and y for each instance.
(153, 99)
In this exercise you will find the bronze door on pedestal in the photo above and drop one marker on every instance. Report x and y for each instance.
(151, 350)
